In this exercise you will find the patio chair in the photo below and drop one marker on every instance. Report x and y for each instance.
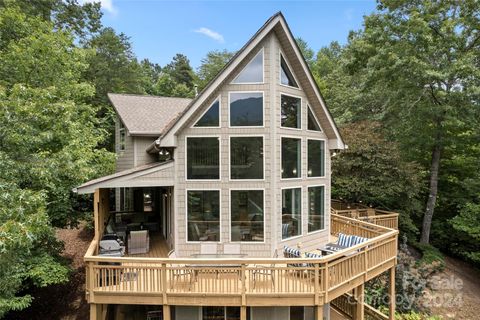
(264, 270)
(138, 242)
(182, 272)
(292, 253)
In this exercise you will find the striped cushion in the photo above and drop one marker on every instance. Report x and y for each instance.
(312, 256)
(291, 252)
(343, 240)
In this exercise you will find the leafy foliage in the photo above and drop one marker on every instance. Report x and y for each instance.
(372, 171)
(28, 248)
(211, 66)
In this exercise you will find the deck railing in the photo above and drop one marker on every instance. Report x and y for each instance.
(244, 281)
(345, 305)
(383, 218)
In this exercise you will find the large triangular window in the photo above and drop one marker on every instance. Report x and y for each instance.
(211, 118)
(286, 76)
(253, 71)
(312, 121)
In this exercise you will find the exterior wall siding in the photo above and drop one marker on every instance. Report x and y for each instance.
(272, 182)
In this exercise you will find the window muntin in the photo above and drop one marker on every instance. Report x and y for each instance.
(291, 112)
(122, 137)
(286, 76)
(291, 212)
(312, 123)
(246, 158)
(316, 208)
(246, 109)
(211, 118)
(203, 158)
(316, 158)
(253, 71)
(247, 215)
(291, 158)
(203, 215)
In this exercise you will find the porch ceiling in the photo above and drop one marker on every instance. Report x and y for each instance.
(149, 175)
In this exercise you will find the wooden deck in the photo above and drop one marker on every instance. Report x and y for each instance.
(153, 279)
(158, 248)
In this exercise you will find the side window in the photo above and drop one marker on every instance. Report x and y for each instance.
(291, 212)
(246, 215)
(253, 71)
(316, 208)
(286, 76)
(291, 158)
(203, 158)
(291, 112)
(246, 158)
(316, 158)
(246, 109)
(203, 215)
(211, 118)
(122, 136)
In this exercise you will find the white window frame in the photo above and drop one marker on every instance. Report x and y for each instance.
(280, 55)
(219, 157)
(301, 111)
(316, 119)
(200, 311)
(230, 215)
(324, 207)
(301, 212)
(219, 214)
(263, 70)
(219, 99)
(263, 109)
(324, 157)
(301, 158)
(230, 154)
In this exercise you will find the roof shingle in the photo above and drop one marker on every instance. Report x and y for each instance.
(147, 115)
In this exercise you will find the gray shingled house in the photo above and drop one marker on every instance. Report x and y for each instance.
(213, 196)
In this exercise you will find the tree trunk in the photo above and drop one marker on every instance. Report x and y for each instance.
(432, 195)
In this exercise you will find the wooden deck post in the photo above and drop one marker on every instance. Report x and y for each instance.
(95, 311)
(318, 310)
(243, 313)
(391, 293)
(167, 315)
(359, 310)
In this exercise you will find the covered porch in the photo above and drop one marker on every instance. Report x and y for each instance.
(133, 211)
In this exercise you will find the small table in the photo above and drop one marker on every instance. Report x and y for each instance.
(330, 248)
(229, 268)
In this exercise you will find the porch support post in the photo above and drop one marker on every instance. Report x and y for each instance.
(318, 310)
(95, 311)
(100, 210)
(391, 293)
(166, 312)
(359, 308)
(243, 313)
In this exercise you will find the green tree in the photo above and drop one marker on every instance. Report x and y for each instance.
(48, 134)
(112, 68)
(307, 52)
(28, 248)
(181, 71)
(211, 65)
(419, 62)
(372, 171)
(81, 20)
(467, 222)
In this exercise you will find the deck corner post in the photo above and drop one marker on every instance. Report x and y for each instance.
(359, 295)
(391, 293)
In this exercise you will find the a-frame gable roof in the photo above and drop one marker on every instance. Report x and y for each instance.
(278, 25)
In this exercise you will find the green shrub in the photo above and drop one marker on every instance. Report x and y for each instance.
(431, 257)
